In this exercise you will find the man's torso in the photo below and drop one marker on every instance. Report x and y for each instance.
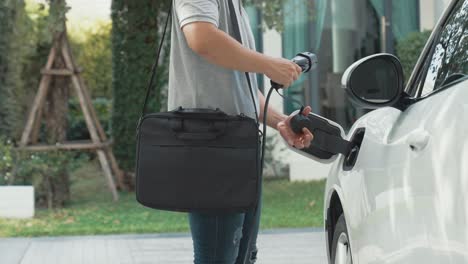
(196, 83)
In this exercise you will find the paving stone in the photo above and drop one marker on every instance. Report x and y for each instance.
(275, 247)
(13, 250)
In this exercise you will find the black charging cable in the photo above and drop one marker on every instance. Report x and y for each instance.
(265, 111)
(305, 60)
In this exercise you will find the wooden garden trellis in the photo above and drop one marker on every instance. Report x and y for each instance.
(98, 142)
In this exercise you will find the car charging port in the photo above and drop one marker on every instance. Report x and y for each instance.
(351, 158)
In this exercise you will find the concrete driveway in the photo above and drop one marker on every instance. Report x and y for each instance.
(284, 246)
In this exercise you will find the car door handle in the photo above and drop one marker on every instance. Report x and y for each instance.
(418, 139)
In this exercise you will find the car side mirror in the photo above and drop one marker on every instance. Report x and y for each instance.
(375, 81)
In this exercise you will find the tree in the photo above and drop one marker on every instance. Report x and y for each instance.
(10, 67)
(23, 50)
(56, 109)
(135, 37)
(22, 55)
(94, 52)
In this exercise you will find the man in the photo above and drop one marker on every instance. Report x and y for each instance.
(207, 68)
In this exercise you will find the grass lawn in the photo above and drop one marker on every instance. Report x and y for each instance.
(92, 211)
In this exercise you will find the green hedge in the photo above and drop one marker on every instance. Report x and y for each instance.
(77, 129)
(43, 170)
(23, 52)
(134, 41)
(409, 50)
(12, 27)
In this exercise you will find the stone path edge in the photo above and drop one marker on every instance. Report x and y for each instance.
(159, 235)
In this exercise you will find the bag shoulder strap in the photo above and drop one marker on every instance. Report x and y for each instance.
(238, 37)
(156, 62)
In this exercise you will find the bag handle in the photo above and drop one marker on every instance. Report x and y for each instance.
(200, 111)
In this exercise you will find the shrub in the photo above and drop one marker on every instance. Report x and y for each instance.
(409, 50)
(77, 129)
(274, 165)
(46, 171)
(6, 161)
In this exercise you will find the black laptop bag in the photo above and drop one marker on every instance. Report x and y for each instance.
(198, 159)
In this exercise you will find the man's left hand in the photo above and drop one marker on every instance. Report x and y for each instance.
(298, 141)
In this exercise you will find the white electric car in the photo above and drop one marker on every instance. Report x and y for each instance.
(401, 194)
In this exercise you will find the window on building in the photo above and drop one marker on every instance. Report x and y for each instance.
(340, 32)
(256, 25)
(295, 40)
(405, 16)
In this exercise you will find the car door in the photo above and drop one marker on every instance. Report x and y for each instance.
(429, 168)
(404, 198)
(415, 183)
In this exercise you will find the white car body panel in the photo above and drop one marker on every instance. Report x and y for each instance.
(406, 198)
(405, 205)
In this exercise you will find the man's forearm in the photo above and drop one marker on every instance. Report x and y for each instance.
(221, 49)
(273, 116)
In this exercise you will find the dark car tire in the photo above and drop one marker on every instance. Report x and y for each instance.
(341, 243)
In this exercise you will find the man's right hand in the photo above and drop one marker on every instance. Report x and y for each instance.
(283, 71)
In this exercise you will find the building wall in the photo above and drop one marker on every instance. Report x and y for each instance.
(302, 168)
(431, 11)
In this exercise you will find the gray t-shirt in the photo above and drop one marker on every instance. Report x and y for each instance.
(196, 83)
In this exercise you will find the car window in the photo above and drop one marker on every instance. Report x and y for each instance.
(449, 60)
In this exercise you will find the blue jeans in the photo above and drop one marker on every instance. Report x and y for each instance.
(224, 238)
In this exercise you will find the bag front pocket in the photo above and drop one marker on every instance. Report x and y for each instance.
(197, 177)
